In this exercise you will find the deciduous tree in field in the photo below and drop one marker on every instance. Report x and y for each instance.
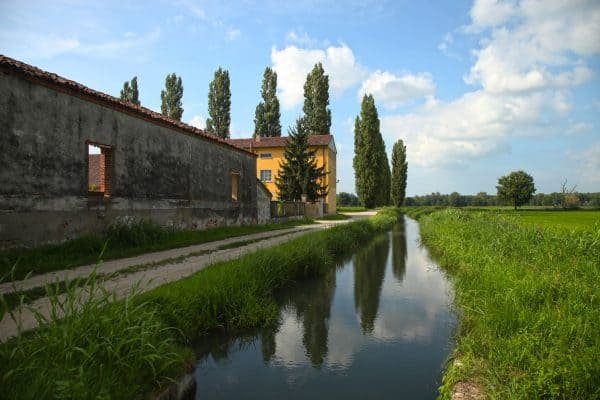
(316, 102)
(267, 117)
(399, 173)
(299, 173)
(171, 97)
(219, 104)
(130, 92)
(516, 188)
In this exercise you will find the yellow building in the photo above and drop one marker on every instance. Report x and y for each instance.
(270, 155)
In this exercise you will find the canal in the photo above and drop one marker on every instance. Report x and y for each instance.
(378, 326)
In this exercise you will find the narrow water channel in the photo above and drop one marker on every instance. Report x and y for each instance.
(379, 326)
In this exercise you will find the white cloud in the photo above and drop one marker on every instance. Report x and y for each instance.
(471, 127)
(490, 13)
(578, 127)
(531, 55)
(292, 64)
(47, 46)
(232, 34)
(539, 46)
(589, 162)
(394, 91)
(198, 121)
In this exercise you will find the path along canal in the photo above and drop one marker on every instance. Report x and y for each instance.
(378, 326)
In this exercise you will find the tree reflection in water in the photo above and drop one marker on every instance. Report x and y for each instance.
(399, 252)
(312, 303)
(369, 272)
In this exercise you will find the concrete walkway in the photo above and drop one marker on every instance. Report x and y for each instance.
(150, 270)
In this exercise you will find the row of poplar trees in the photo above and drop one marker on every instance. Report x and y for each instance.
(376, 184)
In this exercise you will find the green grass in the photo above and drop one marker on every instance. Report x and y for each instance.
(92, 347)
(120, 241)
(334, 217)
(352, 209)
(561, 220)
(529, 304)
(127, 349)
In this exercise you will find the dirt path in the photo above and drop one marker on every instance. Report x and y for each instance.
(149, 270)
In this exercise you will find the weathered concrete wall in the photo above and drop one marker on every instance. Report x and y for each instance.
(263, 203)
(159, 173)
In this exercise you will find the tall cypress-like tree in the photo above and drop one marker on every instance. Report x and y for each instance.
(171, 97)
(266, 120)
(219, 104)
(299, 174)
(371, 167)
(399, 173)
(316, 102)
(130, 92)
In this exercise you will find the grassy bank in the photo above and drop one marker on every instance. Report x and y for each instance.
(529, 301)
(234, 295)
(119, 242)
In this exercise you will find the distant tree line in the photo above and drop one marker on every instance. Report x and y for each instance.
(482, 199)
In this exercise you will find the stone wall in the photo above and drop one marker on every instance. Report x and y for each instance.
(154, 171)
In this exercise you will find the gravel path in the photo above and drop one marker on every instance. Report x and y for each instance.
(149, 270)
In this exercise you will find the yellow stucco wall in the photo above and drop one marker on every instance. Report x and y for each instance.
(325, 157)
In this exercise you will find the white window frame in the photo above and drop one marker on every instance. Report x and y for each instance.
(263, 173)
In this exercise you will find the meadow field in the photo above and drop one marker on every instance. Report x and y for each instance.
(527, 294)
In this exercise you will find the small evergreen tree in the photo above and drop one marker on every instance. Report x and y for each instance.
(399, 173)
(130, 92)
(299, 174)
(371, 167)
(266, 120)
(171, 97)
(219, 104)
(316, 102)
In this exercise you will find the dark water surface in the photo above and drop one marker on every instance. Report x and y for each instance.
(377, 327)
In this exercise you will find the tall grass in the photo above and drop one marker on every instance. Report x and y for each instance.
(117, 242)
(91, 347)
(530, 305)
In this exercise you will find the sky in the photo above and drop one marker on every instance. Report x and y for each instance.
(474, 89)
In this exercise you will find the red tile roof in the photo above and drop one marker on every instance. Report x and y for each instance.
(70, 87)
(279, 141)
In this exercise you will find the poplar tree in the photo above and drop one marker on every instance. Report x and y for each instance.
(130, 92)
(371, 167)
(299, 174)
(266, 120)
(316, 102)
(219, 104)
(399, 173)
(171, 97)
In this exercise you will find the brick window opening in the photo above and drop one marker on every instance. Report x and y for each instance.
(235, 186)
(265, 175)
(100, 161)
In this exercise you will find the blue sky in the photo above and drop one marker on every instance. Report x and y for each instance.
(475, 89)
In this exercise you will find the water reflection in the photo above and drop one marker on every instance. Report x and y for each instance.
(378, 322)
(369, 271)
(399, 253)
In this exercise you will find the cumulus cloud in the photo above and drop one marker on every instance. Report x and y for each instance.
(540, 44)
(198, 121)
(394, 91)
(292, 64)
(531, 55)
